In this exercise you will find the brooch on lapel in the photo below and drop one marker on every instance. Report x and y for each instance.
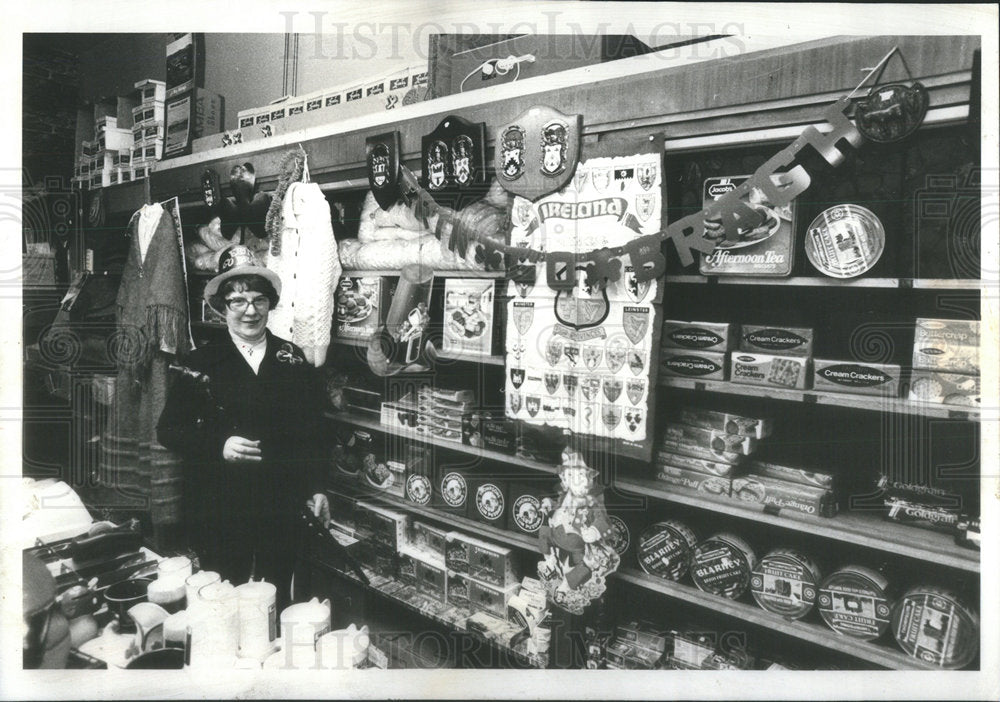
(286, 354)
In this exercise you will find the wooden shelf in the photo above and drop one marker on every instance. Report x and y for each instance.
(860, 529)
(437, 274)
(817, 634)
(358, 343)
(472, 358)
(822, 281)
(896, 405)
(451, 445)
(509, 538)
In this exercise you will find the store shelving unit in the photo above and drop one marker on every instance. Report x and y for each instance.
(486, 454)
(871, 403)
(455, 521)
(820, 282)
(862, 529)
(389, 588)
(684, 99)
(817, 634)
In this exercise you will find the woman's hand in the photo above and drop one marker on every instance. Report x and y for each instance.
(240, 450)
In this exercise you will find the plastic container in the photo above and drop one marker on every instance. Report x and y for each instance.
(258, 624)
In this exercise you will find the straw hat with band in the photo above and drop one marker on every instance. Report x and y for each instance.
(235, 261)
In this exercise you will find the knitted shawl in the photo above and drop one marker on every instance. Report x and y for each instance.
(152, 305)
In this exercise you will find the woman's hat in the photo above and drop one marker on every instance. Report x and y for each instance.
(239, 260)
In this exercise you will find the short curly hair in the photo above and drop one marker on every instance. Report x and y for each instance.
(244, 283)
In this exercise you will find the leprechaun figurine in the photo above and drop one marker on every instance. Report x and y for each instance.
(576, 541)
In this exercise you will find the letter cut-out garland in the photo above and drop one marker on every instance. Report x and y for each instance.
(520, 162)
(584, 359)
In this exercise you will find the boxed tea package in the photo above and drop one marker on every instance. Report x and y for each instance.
(362, 303)
(765, 250)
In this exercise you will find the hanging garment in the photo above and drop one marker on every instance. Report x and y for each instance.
(309, 268)
(151, 328)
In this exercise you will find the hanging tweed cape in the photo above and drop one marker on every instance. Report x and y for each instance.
(152, 327)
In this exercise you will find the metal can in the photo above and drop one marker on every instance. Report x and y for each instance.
(786, 582)
(722, 565)
(856, 601)
(936, 626)
(665, 549)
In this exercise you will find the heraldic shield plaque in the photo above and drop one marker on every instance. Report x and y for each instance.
(453, 160)
(537, 152)
(382, 153)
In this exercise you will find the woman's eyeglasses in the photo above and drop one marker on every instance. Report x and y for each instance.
(240, 304)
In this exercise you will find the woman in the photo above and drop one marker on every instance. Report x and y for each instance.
(247, 415)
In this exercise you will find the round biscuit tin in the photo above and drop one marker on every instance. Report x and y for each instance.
(664, 549)
(722, 565)
(786, 582)
(936, 626)
(856, 601)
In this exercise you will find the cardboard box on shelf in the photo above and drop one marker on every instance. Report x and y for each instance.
(488, 598)
(716, 439)
(114, 139)
(786, 341)
(361, 304)
(944, 388)
(432, 580)
(702, 336)
(185, 65)
(189, 116)
(151, 90)
(488, 501)
(856, 378)
(781, 494)
(947, 345)
(148, 114)
(490, 563)
(754, 427)
(694, 364)
(714, 485)
(791, 372)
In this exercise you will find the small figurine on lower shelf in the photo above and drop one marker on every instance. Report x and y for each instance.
(576, 541)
